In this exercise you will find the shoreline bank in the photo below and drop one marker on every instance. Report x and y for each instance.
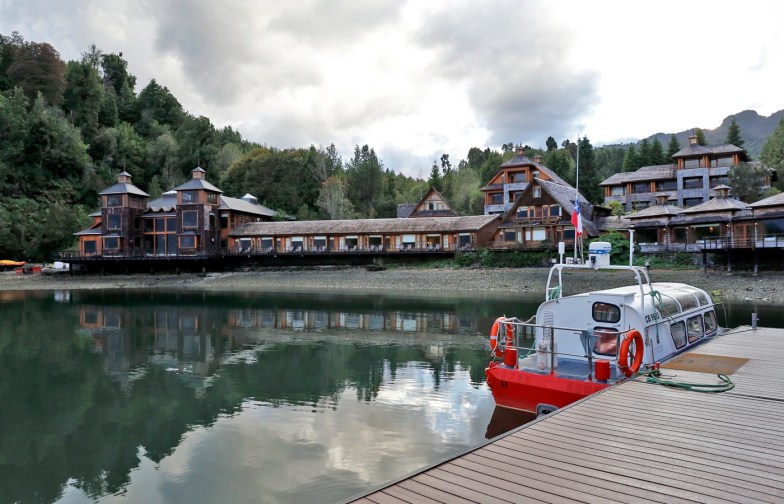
(765, 287)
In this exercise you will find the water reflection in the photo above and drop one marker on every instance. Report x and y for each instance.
(171, 397)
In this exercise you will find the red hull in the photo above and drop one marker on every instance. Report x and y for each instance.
(523, 390)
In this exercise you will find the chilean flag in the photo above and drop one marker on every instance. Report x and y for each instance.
(577, 220)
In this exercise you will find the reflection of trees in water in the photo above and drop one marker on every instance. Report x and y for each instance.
(70, 412)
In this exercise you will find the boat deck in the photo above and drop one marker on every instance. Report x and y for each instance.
(637, 441)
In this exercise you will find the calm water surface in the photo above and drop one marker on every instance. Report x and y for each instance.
(109, 396)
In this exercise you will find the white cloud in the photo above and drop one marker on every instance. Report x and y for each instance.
(417, 79)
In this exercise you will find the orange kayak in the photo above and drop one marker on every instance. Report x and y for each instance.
(5, 263)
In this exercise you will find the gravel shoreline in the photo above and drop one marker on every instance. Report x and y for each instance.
(765, 287)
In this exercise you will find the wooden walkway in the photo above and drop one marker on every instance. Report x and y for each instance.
(635, 442)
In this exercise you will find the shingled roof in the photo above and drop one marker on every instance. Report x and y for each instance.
(654, 172)
(775, 200)
(240, 205)
(366, 226)
(717, 205)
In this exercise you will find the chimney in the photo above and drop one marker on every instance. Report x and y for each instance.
(538, 159)
(693, 140)
(722, 191)
(124, 177)
(198, 173)
(520, 150)
(662, 199)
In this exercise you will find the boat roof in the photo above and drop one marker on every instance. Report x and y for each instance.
(670, 298)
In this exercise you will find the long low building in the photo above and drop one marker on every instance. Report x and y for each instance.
(375, 235)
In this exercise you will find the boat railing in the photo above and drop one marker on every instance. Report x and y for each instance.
(547, 354)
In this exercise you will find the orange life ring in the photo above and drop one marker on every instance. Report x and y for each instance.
(494, 346)
(624, 357)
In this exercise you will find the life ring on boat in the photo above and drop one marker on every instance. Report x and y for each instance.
(629, 364)
(494, 346)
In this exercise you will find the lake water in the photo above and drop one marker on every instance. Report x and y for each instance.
(191, 397)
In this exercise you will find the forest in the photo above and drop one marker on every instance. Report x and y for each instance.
(68, 128)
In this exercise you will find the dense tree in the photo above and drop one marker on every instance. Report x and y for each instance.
(589, 179)
(772, 154)
(657, 153)
(644, 154)
(435, 179)
(364, 172)
(747, 181)
(631, 160)
(156, 104)
(37, 68)
(551, 144)
(561, 162)
(609, 160)
(83, 98)
(333, 199)
(672, 147)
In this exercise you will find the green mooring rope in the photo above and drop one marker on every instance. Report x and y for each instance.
(715, 388)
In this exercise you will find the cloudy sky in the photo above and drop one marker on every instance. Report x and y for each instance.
(415, 79)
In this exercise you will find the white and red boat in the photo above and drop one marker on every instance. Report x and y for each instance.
(577, 345)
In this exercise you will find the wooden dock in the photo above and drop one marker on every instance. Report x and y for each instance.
(637, 442)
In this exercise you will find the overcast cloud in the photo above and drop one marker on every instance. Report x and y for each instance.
(417, 79)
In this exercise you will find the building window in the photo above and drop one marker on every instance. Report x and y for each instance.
(114, 200)
(112, 243)
(148, 225)
(691, 163)
(690, 202)
(667, 185)
(90, 247)
(641, 187)
(187, 242)
(568, 234)
(190, 196)
(497, 199)
(722, 161)
(692, 183)
(617, 190)
(717, 181)
(555, 211)
(537, 192)
(190, 219)
(679, 235)
(114, 221)
(509, 236)
(522, 212)
(212, 198)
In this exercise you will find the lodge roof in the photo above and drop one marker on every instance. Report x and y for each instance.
(653, 172)
(717, 205)
(197, 184)
(405, 209)
(702, 150)
(123, 188)
(611, 223)
(167, 202)
(522, 160)
(366, 226)
(656, 211)
(775, 200)
(240, 205)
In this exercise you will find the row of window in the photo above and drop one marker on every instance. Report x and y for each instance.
(668, 185)
(190, 220)
(539, 211)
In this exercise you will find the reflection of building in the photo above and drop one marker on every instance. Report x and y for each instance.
(319, 320)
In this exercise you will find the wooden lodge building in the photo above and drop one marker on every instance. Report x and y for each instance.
(695, 172)
(194, 219)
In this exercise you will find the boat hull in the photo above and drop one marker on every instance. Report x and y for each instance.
(534, 392)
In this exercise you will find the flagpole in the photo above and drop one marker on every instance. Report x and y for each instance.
(577, 195)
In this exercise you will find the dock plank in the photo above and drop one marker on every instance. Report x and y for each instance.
(636, 441)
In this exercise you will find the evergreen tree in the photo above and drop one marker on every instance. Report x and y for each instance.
(631, 161)
(657, 153)
(645, 157)
(772, 155)
(672, 147)
(551, 144)
(83, 98)
(733, 135)
(435, 177)
(589, 179)
(700, 137)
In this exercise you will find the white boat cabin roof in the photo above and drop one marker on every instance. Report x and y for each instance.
(669, 298)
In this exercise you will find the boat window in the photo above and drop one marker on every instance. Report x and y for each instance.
(668, 306)
(678, 333)
(694, 324)
(702, 298)
(710, 322)
(606, 340)
(605, 312)
(687, 300)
